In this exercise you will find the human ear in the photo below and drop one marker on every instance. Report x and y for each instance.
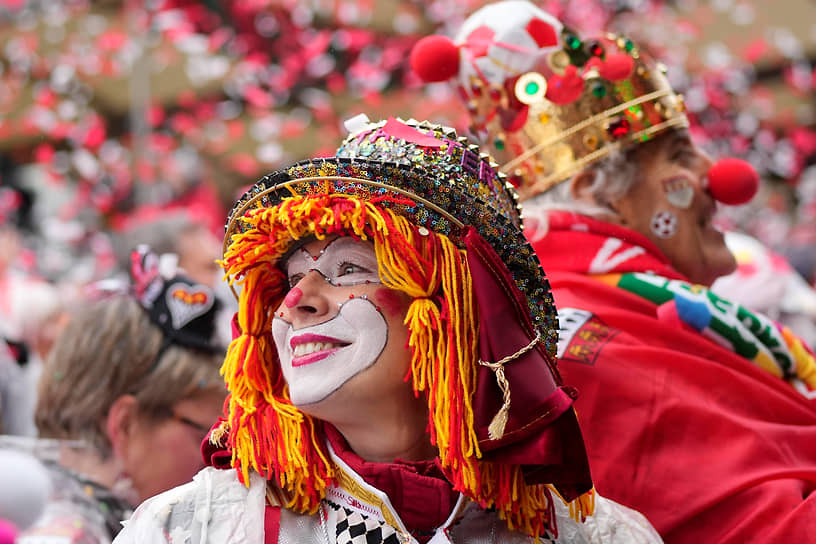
(120, 423)
(582, 189)
(580, 186)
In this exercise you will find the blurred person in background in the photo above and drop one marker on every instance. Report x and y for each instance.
(127, 393)
(174, 232)
(32, 312)
(696, 411)
(766, 282)
(188, 243)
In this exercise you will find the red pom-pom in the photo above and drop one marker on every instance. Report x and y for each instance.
(617, 66)
(733, 181)
(565, 89)
(435, 58)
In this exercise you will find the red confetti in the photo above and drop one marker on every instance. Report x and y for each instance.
(112, 40)
(44, 153)
(244, 164)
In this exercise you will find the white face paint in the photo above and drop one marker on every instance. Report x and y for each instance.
(344, 261)
(664, 224)
(318, 360)
(679, 191)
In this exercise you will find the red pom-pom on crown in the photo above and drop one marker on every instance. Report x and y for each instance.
(733, 181)
(435, 58)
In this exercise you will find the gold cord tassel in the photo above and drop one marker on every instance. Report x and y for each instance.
(496, 428)
(218, 434)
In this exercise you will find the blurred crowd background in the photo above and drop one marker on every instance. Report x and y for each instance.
(139, 121)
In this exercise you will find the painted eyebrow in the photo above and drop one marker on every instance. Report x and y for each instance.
(295, 247)
(326, 247)
(284, 264)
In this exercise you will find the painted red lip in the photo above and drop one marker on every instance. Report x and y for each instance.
(308, 337)
(304, 360)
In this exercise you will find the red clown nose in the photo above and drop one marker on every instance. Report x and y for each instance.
(732, 181)
(435, 58)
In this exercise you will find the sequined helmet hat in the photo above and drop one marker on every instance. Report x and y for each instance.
(547, 102)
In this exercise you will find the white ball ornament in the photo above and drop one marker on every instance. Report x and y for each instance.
(24, 488)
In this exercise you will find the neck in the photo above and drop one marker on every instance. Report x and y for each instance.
(385, 444)
(87, 462)
(393, 430)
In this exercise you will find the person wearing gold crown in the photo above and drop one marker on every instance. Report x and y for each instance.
(391, 377)
(696, 412)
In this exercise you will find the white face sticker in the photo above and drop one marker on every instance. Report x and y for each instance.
(344, 261)
(317, 360)
(664, 224)
(679, 192)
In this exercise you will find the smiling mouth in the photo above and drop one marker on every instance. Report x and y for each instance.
(301, 350)
(312, 352)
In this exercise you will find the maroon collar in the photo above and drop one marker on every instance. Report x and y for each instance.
(419, 491)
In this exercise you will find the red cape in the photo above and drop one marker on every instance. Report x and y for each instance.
(708, 446)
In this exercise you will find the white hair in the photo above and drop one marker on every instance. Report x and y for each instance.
(612, 178)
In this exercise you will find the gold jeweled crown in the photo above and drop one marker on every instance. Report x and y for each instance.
(546, 102)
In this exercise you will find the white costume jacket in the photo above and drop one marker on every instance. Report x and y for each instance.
(217, 508)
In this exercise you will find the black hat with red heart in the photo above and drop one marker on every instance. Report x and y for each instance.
(183, 309)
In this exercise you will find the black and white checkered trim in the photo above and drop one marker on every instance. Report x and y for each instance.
(355, 528)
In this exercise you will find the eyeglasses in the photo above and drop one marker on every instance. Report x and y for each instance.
(198, 427)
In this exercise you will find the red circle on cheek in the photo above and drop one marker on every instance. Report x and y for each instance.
(390, 301)
(293, 297)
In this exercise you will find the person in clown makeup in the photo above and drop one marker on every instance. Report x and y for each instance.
(696, 411)
(391, 375)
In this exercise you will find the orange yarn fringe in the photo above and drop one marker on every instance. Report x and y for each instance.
(272, 437)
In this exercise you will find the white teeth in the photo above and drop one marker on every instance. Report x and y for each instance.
(311, 347)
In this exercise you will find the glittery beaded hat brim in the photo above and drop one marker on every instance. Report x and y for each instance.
(448, 158)
(426, 201)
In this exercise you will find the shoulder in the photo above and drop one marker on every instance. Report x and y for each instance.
(610, 523)
(62, 524)
(214, 499)
(70, 512)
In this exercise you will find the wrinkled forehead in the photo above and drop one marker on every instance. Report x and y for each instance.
(666, 141)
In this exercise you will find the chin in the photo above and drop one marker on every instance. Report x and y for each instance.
(722, 266)
(328, 407)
